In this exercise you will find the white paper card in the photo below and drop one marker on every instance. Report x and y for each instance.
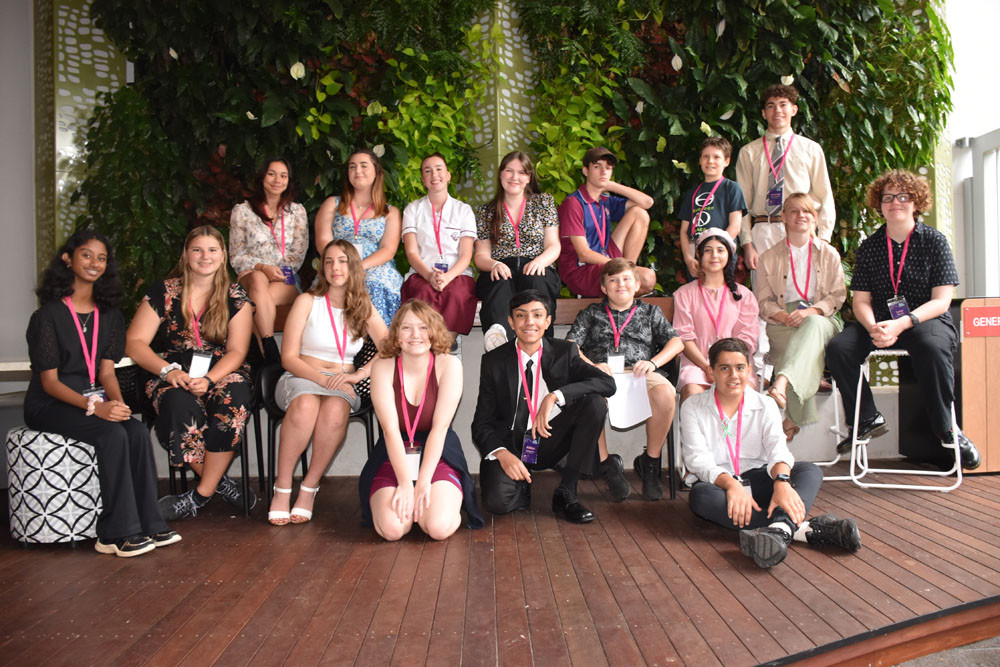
(630, 403)
(617, 363)
(413, 464)
(360, 249)
(200, 364)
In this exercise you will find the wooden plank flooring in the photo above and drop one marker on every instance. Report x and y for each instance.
(647, 583)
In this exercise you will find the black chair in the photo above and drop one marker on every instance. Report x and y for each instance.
(269, 376)
(673, 371)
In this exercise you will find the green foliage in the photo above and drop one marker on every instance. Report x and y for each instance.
(873, 77)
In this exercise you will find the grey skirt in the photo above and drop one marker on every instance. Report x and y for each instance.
(290, 386)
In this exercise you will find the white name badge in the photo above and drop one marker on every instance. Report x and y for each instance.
(617, 363)
(413, 464)
(360, 249)
(200, 364)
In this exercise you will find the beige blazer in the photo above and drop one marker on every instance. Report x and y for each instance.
(772, 276)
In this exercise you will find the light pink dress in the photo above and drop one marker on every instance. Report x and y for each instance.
(693, 322)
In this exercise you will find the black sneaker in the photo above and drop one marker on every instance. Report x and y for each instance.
(649, 472)
(233, 492)
(126, 547)
(871, 428)
(613, 471)
(166, 538)
(181, 506)
(829, 530)
(767, 546)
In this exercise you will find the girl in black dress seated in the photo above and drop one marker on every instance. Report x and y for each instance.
(200, 325)
(74, 340)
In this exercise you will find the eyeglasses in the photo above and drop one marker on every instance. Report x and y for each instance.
(901, 197)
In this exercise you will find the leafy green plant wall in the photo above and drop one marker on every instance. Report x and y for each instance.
(221, 85)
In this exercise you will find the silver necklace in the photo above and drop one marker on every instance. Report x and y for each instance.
(86, 322)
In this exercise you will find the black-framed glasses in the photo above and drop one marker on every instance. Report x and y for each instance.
(901, 197)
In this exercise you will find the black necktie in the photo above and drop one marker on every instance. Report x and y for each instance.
(526, 390)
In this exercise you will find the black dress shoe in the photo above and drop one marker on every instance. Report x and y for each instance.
(970, 455)
(564, 503)
(870, 428)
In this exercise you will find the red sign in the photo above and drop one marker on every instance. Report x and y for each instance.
(981, 320)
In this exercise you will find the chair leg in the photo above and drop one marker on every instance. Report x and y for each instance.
(260, 451)
(173, 480)
(304, 460)
(670, 464)
(370, 432)
(245, 472)
(272, 436)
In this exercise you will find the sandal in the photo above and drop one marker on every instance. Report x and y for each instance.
(790, 429)
(778, 397)
(279, 517)
(299, 515)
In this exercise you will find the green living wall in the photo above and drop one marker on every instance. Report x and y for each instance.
(220, 86)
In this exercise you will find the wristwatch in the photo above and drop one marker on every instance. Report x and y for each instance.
(782, 477)
(914, 319)
(169, 367)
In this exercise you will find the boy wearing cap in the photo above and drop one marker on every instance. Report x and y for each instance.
(585, 226)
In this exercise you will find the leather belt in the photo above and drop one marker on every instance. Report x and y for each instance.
(757, 219)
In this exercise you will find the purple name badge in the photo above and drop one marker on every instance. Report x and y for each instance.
(773, 197)
(898, 307)
(441, 266)
(289, 275)
(529, 450)
(803, 305)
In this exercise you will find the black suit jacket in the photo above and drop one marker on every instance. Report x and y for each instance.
(500, 390)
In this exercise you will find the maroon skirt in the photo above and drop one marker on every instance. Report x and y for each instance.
(456, 303)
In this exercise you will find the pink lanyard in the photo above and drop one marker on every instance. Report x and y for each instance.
(784, 156)
(196, 323)
(791, 261)
(614, 328)
(275, 236)
(91, 359)
(717, 320)
(436, 220)
(411, 429)
(516, 225)
(708, 200)
(735, 458)
(902, 260)
(357, 220)
(602, 229)
(341, 346)
(532, 407)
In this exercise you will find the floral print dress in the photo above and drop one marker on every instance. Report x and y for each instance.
(384, 282)
(189, 425)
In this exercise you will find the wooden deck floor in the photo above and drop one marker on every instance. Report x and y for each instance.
(644, 584)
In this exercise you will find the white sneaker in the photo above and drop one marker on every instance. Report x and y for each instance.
(494, 337)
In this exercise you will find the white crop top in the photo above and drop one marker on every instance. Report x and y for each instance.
(318, 340)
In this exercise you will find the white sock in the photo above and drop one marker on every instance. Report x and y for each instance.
(800, 532)
(783, 526)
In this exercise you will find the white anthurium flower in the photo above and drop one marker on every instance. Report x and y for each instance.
(721, 28)
(379, 150)
(676, 63)
(298, 70)
(251, 116)
(706, 128)
(639, 106)
(173, 54)
(727, 115)
(787, 80)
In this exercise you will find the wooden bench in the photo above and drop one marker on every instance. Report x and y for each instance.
(566, 310)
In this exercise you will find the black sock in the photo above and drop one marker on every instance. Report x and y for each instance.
(199, 499)
(655, 460)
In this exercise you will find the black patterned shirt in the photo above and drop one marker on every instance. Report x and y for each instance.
(539, 213)
(646, 334)
(929, 264)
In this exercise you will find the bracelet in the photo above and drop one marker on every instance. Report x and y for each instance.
(92, 402)
(169, 367)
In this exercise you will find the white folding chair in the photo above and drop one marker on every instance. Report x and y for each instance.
(859, 448)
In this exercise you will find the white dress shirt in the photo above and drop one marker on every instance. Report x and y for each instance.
(457, 222)
(703, 441)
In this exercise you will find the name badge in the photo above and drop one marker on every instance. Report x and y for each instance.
(95, 391)
(898, 307)
(200, 364)
(412, 451)
(774, 197)
(441, 266)
(360, 249)
(803, 305)
(746, 486)
(616, 360)
(289, 275)
(529, 449)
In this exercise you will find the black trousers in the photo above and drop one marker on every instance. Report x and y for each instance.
(931, 346)
(214, 421)
(496, 294)
(574, 439)
(125, 467)
(709, 501)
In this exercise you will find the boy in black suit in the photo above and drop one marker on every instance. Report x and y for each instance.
(529, 421)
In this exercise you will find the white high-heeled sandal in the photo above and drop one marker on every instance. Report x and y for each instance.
(299, 515)
(280, 517)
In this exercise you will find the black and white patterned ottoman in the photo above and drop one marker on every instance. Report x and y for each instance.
(53, 491)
